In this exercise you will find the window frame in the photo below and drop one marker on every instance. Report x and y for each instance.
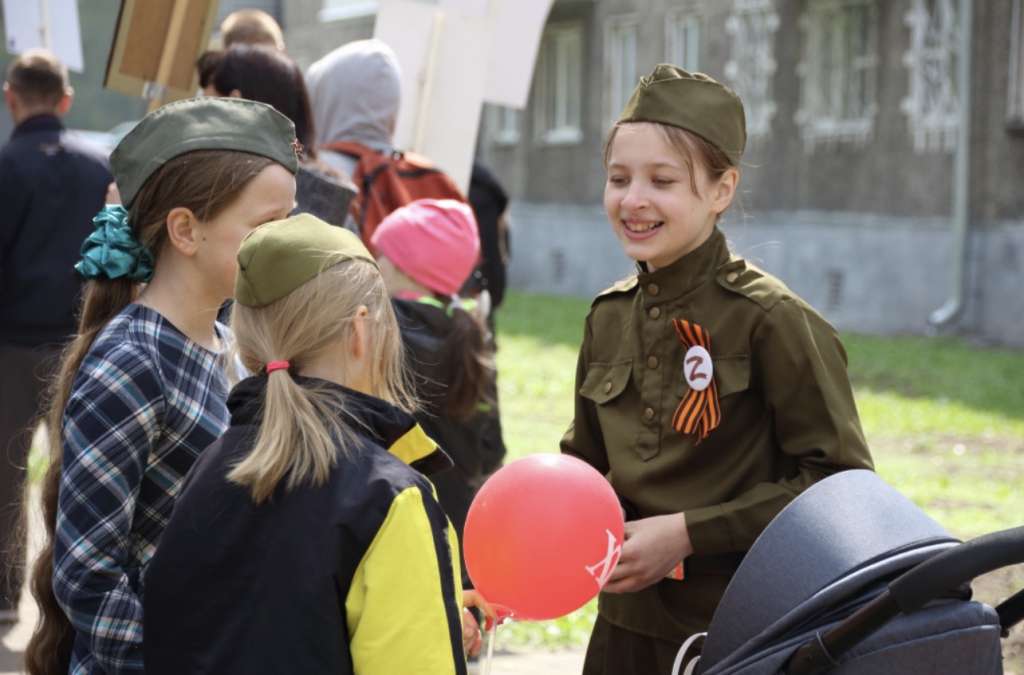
(340, 10)
(824, 92)
(932, 127)
(751, 67)
(559, 122)
(619, 79)
(1015, 86)
(688, 57)
(505, 124)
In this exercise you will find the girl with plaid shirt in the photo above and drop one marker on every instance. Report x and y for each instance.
(141, 390)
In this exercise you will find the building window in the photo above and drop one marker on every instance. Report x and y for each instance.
(620, 63)
(932, 104)
(559, 85)
(1015, 90)
(837, 96)
(337, 10)
(682, 40)
(751, 66)
(504, 123)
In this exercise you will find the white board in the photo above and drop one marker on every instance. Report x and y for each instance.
(406, 26)
(51, 24)
(454, 56)
(518, 25)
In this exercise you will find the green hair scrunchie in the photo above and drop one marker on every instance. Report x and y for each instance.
(111, 251)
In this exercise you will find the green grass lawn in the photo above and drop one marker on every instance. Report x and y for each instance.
(945, 422)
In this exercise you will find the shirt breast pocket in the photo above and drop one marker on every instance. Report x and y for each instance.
(605, 382)
(732, 374)
(617, 404)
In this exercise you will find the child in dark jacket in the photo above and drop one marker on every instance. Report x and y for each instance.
(307, 539)
(426, 251)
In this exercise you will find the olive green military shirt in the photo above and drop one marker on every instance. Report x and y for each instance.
(788, 418)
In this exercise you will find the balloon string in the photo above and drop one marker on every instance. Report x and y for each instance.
(492, 636)
(489, 659)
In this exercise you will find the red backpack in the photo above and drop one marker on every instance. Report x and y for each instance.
(388, 181)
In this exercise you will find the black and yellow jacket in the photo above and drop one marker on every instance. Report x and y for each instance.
(475, 444)
(359, 575)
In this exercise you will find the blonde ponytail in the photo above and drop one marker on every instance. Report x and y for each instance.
(296, 438)
(304, 429)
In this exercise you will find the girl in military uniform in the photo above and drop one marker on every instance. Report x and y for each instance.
(708, 393)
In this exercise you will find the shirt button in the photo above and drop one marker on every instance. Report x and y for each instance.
(649, 414)
(652, 362)
(655, 312)
(653, 289)
(607, 387)
(731, 277)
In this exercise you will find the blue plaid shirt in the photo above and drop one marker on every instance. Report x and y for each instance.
(145, 402)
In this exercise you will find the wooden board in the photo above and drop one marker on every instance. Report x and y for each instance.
(156, 45)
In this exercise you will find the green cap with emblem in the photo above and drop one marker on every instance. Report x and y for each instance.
(205, 123)
(278, 257)
(691, 101)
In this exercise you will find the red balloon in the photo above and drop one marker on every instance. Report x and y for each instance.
(542, 536)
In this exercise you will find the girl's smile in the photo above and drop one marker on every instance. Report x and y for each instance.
(639, 230)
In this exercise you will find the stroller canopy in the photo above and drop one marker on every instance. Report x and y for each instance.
(840, 535)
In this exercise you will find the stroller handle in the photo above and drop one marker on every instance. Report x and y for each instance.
(932, 579)
(956, 566)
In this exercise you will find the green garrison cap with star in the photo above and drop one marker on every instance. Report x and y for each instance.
(278, 257)
(205, 123)
(691, 101)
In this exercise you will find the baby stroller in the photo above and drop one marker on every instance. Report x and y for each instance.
(853, 579)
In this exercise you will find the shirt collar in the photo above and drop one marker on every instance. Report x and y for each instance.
(43, 122)
(686, 273)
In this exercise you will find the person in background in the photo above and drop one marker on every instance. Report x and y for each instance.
(268, 75)
(51, 186)
(426, 250)
(251, 27)
(355, 93)
(490, 205)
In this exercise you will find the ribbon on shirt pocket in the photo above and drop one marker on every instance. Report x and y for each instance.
(699, 412)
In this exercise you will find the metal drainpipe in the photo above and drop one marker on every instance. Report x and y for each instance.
(961, 178)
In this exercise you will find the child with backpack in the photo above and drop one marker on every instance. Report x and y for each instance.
(305, 539)
(355, 92)
(141, 390)
(707, 392)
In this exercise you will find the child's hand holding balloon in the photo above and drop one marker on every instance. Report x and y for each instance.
(653, 547)
(471, 638)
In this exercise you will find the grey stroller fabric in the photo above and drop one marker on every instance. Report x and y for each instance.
(830, 552)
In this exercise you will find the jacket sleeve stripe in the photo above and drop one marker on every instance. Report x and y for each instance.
(403, 605)
(447, 558)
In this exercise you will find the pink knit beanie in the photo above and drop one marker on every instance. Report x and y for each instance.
(434, 242)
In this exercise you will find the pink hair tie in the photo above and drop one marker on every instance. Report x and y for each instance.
(277, 365)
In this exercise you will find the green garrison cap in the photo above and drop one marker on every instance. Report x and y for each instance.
(204, 123)
(691, 101)
(278, 257)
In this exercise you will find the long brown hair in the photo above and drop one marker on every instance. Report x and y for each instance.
(304, 430)
(471, 351)
(204, 181)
